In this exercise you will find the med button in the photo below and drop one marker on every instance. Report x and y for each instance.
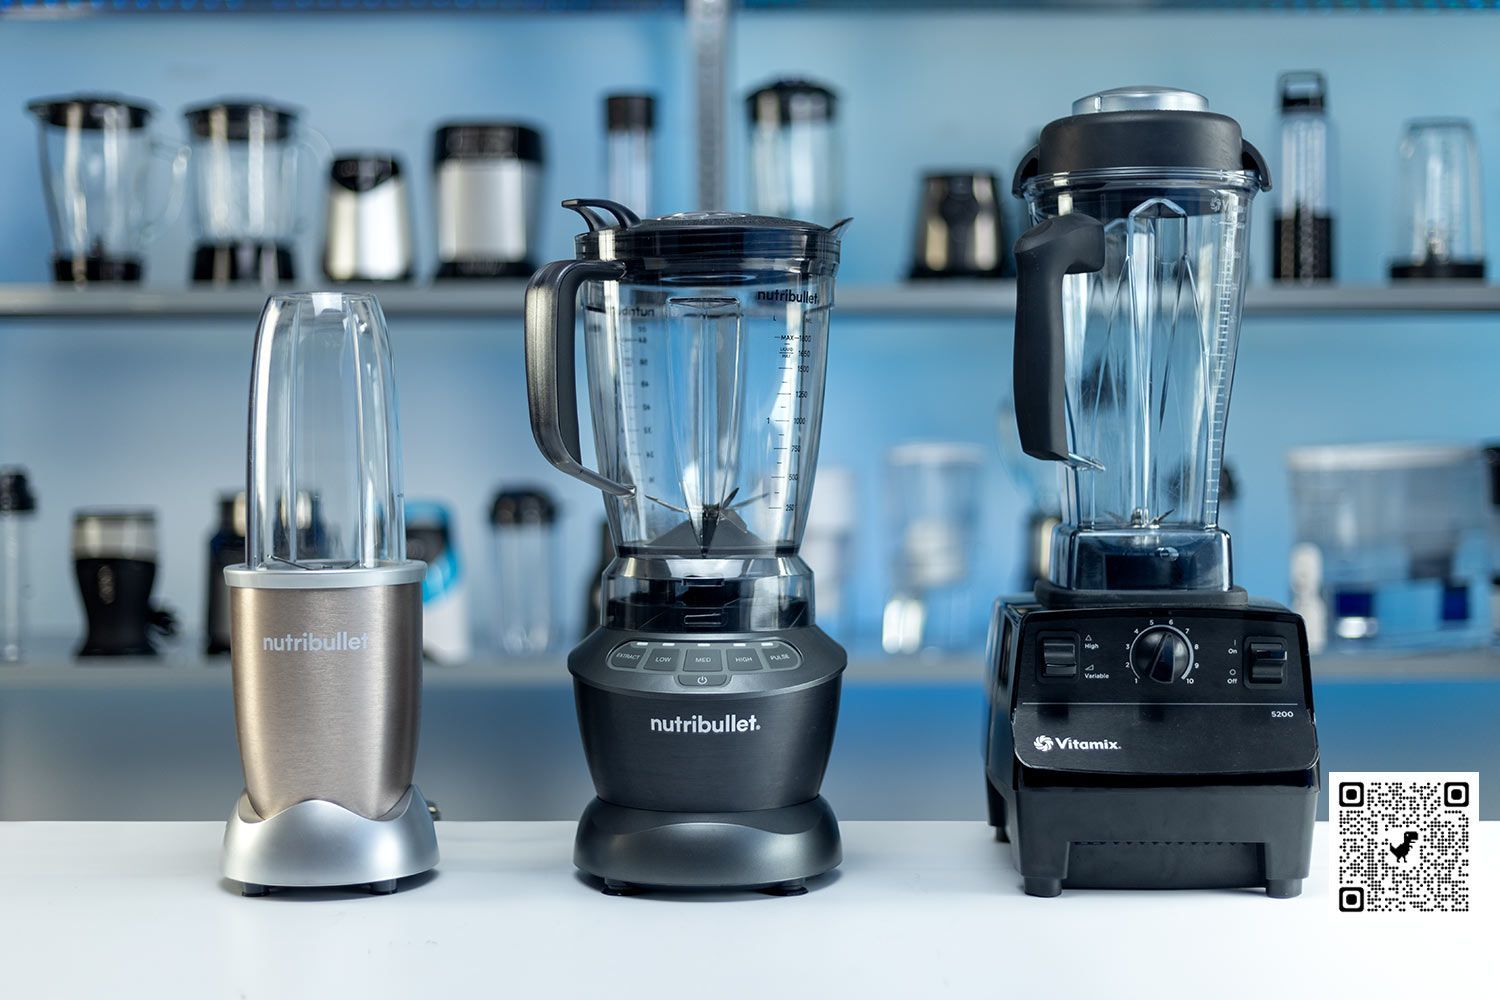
(703, 661)
(780, 656)
(1265, 661)
(1059, 657)
(628, 657)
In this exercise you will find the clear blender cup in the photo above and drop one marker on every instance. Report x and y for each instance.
(1131, 283)
(706, 338)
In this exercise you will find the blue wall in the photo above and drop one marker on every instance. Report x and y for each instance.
(98, 410)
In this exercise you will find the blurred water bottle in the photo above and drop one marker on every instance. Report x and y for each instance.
(523, 523)
(17, 509)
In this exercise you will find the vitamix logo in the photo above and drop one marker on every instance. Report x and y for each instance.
(806, 296)
(700, 724)
(1046, 743)
(309, 642)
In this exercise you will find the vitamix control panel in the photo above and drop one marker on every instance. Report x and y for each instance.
(704, 665)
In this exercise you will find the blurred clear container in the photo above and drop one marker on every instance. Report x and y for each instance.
(1442, 202)
(828, 547)
(1393, 541)
(933, 492)
(524, 525)
(17, 513)
(795, 161)
(630, 123)
(1302, 240)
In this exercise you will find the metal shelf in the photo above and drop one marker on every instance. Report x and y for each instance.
(914, 300)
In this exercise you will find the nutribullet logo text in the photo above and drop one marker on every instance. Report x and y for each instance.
(699, 724)
(309, 642)
(806, 296)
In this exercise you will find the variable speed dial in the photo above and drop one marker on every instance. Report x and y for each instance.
(1161, 653)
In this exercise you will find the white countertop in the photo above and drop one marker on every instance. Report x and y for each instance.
(918, 909)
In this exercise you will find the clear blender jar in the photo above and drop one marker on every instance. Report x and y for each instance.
(1130, 285)
(706, 337)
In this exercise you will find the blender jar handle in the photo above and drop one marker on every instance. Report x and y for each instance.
(551, 382)
(1045, 254)
(176, 156)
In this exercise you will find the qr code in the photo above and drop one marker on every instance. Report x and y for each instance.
(1402, 840)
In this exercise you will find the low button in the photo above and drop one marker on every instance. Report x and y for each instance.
(663, 659)
(703, 661)
(702, 680)
(780, 656)
(627, 657)
(743, 659)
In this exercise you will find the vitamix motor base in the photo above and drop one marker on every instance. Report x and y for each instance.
(1152, 746)
(707, 752)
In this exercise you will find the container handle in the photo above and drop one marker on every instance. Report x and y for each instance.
(1045, 254)
(551, 379)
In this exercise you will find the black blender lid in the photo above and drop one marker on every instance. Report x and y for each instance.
(522, 506)
(694, 237)
(94, 111)
(624, 112)
(1145, 128)
(1302, 90)
(364, 171)
(793, 99)
(481, 140)
(15, 490)
(238, 115)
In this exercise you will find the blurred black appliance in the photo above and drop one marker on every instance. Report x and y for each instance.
(959, 227)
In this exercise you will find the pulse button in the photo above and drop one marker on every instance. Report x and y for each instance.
(1266, 661)
(780, 656)
(1059, 657)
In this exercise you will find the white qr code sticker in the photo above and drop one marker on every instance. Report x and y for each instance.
(1402, 840)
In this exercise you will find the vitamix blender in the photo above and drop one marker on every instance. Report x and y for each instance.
(708, 698)
(1150, 725)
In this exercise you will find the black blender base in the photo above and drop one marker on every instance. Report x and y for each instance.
(769, 850)
(1241, 837)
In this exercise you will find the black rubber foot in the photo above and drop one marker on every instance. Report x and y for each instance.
(254, 889)
(796, 887)
(1036, 886)
(386, 888)
(1000, 837)
(1283, 888)
(614, 888)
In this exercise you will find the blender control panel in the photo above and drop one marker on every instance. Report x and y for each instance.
(704, 665)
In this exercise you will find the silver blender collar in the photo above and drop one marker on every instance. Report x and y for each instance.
(1140, 99)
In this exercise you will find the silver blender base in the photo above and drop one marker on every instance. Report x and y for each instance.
(773, 850)
(319, 844)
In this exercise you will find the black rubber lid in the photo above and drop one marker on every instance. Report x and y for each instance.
(15, 491)
(1302, 90)
(781, 101)
(1141, 127)
(238, 118)
(94, 111)
(486, 141)
(690, 239)
(523, 506)
(365, 171)
(627, 112)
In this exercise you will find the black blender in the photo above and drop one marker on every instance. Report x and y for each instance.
(1150, 725)
(707, 699)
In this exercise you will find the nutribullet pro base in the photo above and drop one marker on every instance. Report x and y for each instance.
(1161, 745)
(707, 750)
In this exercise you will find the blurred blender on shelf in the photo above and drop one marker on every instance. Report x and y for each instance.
(630, 123)
(1442, 216)
(1038, 481)
(524, 525)
(1392, 545)
(795, 161)
(828, 547)
(959, 230)
(934, 495)
(368, 234)
(226, 548)
(445, 591)
(1302, 241)
(114, 557)
(17, 512)
(97, 166)
(488, 180)
(248, 196)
